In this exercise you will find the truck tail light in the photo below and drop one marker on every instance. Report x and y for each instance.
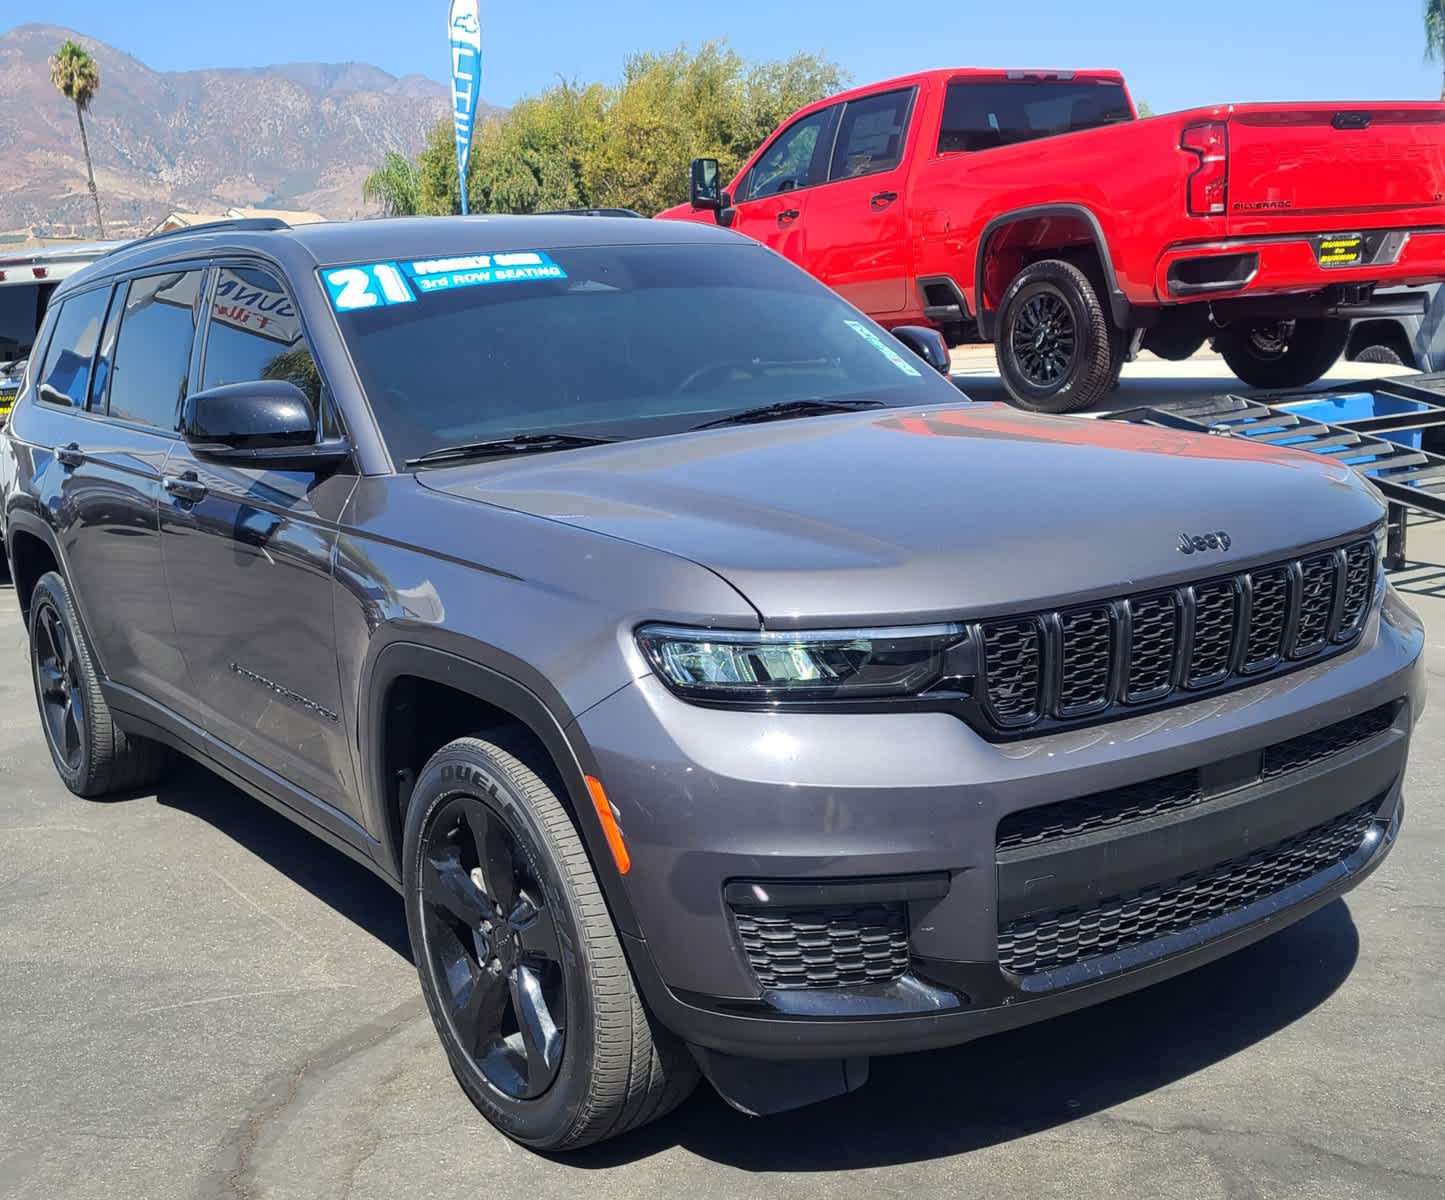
(1209, 181)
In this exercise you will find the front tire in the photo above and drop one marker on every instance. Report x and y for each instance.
(93, 756)
(1282, 354)
(521, 967)
(1057, 351)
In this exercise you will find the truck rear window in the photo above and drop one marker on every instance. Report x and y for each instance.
(980, 115)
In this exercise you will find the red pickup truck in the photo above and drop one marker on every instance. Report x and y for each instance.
(1037, 209)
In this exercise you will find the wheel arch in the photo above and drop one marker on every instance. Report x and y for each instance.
(1381, 331)
(32, 549)
(390, 746)
(1013, 239)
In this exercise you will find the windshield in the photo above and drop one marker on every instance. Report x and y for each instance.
(634, 341)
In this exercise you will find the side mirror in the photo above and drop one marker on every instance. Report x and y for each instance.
(267, 424)
(928, 344)
(707, 190)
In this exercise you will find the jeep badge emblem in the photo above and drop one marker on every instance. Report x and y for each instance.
(1199, 542)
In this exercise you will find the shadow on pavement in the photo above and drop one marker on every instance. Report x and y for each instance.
(948, 1102)
(348, 887)
(916, 1107)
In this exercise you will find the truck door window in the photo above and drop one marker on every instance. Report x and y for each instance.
(63, 378)
(981, 115)
(870, 137)
(789, 162)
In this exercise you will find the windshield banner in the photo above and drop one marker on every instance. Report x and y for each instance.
(464, 30)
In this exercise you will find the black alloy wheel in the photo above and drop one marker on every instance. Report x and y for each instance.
(491, 945)
(59, 685)
(1044, 338)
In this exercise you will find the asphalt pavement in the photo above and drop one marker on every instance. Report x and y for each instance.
(199, 1000)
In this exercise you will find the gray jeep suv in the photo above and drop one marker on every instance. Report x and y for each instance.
(721, 690)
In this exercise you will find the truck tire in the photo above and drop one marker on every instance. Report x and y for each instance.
(1282, 354)
(1179, 334)
(520, 964)
(1057, 351)
(1378, 353)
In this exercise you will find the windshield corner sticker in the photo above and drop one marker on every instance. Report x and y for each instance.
(371, 285)
(883, 348)
(477, 270)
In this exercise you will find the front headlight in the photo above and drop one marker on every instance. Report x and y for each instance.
(727, 665)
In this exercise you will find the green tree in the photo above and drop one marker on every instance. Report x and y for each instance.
(73, 71)
(393, 186)
(1145, 110)
(624, 146)
(1435, 36)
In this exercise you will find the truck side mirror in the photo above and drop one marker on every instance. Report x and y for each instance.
(707, 190)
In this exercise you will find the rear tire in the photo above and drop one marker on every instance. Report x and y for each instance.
(1386, 355)
(93, 756)
(563, 1054)
(1057, 350)
(1282, 354)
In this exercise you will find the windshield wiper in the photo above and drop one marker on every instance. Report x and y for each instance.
(790, 408)
(518, 443)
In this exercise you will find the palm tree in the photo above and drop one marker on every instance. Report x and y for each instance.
(1435, 36)
(74, 72)
(393, 185)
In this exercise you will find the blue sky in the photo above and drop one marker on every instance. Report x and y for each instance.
(1222, 50)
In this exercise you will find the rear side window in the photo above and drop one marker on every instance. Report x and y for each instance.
(982, 115)
(870, 138)
(153, 351)
(66, 371)
(255, 333)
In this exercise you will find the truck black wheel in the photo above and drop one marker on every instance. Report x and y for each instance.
(1057, 351)
(519, 962)
(1282, 354)
(92, 755)
(1381, 354)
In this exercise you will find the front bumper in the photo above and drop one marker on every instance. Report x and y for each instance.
(714, 801)
(1288, 263)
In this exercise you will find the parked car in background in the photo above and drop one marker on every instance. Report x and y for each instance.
(1411, 340)
(27, 280)
(619, 593)
(1035, 210)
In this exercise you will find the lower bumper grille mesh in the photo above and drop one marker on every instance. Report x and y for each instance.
(1054, 939)
(825, 947)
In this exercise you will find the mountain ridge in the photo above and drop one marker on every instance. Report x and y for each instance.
(290, 135)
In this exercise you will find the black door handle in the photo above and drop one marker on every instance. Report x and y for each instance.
(788, 214)
(883, 199)
(187, 488)
(70, 456)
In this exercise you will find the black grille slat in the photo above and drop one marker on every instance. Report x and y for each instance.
(1012, 670)
(1268, 615)
(1320, 744)
(1153, 646)
(1076, 665)
(790, 949)
(1216, 613)
(1046, 941)
(1087, 639)
(1317, 603)
(1359, 586)
(1103, 810)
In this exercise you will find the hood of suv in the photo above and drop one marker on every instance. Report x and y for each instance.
(939, 513)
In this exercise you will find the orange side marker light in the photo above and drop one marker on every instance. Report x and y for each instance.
(609, 825)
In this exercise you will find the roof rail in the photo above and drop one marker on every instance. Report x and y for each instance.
(255, 224)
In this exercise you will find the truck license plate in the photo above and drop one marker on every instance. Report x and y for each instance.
(1340, 250)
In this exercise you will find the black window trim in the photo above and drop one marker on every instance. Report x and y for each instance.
(261, 263)
(829, 134)
(908, 112)
(35, 368)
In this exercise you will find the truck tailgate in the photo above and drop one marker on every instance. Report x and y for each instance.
(1294, 160)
